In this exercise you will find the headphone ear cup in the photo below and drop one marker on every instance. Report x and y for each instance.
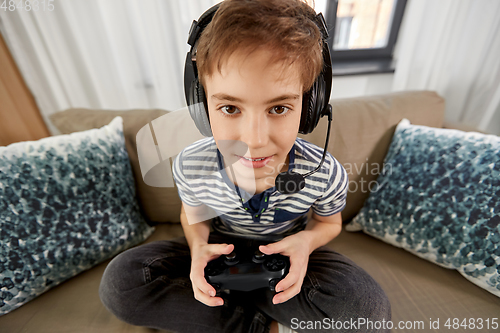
(312, 106)
(198, 108)
(310, 112)
(307, 107)
(320, 102)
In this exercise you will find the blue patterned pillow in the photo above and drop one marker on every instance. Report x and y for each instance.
(439, 197)
(67, 203)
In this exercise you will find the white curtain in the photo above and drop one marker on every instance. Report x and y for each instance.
(453, 47)
(104, 54)
(125, 54)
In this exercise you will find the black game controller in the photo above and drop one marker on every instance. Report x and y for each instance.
(246, 270)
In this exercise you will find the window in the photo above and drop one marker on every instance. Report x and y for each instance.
(363, 34)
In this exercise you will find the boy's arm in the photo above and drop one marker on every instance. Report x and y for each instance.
(320, 230)
(197, 234)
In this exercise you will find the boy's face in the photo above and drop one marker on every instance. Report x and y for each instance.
(254, 108)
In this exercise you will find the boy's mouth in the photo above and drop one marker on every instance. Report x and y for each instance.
(253, 159)
(257, 162)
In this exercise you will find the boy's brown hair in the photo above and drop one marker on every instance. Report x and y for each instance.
(287, 28)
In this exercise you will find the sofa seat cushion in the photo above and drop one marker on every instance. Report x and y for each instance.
(417, 289)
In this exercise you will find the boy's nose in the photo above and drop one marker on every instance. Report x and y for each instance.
(255, 131)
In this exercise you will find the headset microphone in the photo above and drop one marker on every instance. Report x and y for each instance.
(290, 182)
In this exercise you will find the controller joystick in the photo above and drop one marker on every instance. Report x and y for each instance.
(231, 259)
(258, 257)
(247, 269)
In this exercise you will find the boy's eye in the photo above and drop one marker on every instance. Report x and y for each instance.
(279, 109)
(229, 109)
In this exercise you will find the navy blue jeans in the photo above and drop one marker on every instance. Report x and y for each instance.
(149, 286)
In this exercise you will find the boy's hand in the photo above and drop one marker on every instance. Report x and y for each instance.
(297, 249)
(200, 256)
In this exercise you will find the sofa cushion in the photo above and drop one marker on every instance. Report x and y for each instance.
(67, 203)
(159, 203)
(361, 132)
(439, 198)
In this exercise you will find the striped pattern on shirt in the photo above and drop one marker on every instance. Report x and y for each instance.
(201, 179)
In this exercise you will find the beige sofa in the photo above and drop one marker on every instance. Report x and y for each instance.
(419, 290)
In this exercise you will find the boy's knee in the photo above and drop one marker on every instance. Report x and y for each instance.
(115, 287)
(119, 272)
(379, 306)
(346, 290)
(367, 300)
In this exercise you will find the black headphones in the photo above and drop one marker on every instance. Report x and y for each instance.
(314, 102)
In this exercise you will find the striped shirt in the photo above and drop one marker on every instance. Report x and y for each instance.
(201, 178)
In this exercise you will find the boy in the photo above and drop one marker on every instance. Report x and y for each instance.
(255, 60)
